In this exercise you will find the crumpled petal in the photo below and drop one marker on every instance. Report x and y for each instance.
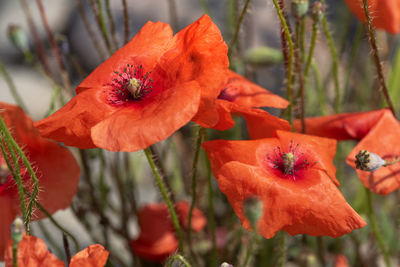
(311, 206)
(92, 256)
(385, 14)
(343, 126)
(382, 140)
(32, 252)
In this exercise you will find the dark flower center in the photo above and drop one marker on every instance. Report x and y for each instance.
(290, 164)
(132, 84)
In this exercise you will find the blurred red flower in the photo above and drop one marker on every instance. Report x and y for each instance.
(293, 175)
(32, 252)
(157, 240)
(378, 132)
(385, 14)
(56, 169)
(147, 90)
(240, 97)
(341, 261)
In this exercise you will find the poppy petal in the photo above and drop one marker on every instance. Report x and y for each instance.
(149, 123)
(198, 219)
(199, 54)
(344, 126)
(382, 140)
(9, 210)
(241, 91)
(157, 34)
(72, 123)
(32, 252)
(313, 206)
(92, 256)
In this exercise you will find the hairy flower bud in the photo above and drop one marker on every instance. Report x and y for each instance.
(317, 11)
(368, 161)
(18, 38)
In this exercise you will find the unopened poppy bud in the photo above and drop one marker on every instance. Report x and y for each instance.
(17, 230)
(299, 8)
(264, 56)
(253, 209)
(224, 264)
(18, 38)
(317, 11)
(368, 161)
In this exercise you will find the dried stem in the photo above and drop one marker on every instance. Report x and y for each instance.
(375, 54)
(173, 14)
(126, 21)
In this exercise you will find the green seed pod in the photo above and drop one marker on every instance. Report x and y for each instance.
(299, 8)
(18, 38)
(17, 230)
(317, 11)
(253, 209)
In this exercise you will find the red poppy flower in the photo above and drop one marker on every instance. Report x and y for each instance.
(341, 261)
(379, 132)
(32, 252)
(382, 140)
(385, 14)
(239, 96)
(147, 90)
(157, 238)
(47, 158)
(344, 126)
(293, 175)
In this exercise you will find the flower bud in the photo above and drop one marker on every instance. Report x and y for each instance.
(17, 230)
(299, 8)
(224, 264)
(264, 56)
(317, 11)
(368, 161)
(253, 209)
(18, 38)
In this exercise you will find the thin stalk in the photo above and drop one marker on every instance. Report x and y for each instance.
(15, 172)
(177, 257)
(126, 21)
(289, 75)
(66, 249)
(311, 50)
(49, 238)
(200, 136)
(167, 199)
(300, 76)
(15, 254)
(64, 74)
(13, 89)
(100, 23)
(90, 31)
(375, 228)
(250, 250)
(36, 39)
(335, 62)
(236, 34)
(112, 25)
(211, 219)
(375, 54)
(282, 256)
(52, 108)
(173, 14)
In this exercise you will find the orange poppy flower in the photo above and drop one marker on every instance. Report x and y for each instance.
(47, 158)
(344, 126)
(385, 14)
(239, 96)
(341, 261)
(379, 132)
(157, 240)
(294, 177)
(32, 252)
(147, 90)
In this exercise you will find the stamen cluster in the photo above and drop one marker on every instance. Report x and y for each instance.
(132, 84)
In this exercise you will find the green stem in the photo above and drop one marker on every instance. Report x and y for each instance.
(200, 136)
(335, 63)
(29, 168)
(311, 50)
(375, 228)
(320, 89)
(250, 250)
(15, 254)
(290, 57)
(177, 257)
(112, 25)
(13, 89)
(282, 256)
(375, 53)
(13, 168)
(236, 34)
(126, 22)
(167, 199)
(211, 219)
